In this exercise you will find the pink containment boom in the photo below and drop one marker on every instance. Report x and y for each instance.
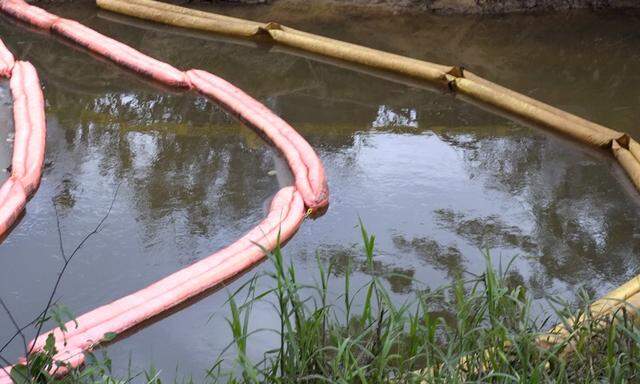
(285, 215)
(29, 141)
(306, 166)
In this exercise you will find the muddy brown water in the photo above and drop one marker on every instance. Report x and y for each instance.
(437, 180)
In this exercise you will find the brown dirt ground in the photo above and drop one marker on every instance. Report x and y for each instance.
(458, 6)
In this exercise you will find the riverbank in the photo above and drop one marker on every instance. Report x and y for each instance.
(462, 6)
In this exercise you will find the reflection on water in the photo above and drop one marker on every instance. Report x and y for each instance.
(407, 117)
(485, 232)
(437, 181)
(447, 258)
(6, 129)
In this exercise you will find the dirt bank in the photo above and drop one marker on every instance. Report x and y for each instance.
(466, 6)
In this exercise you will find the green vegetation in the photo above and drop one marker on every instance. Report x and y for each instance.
(478, 330)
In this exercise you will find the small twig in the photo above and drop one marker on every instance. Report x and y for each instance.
(15, 323)
(60, 243)
(17, 333)
(67, 261)
(7, 363)
(6, 372)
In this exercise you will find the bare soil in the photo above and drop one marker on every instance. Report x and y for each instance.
(463, 6)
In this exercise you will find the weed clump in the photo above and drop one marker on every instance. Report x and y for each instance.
(476, 330)
(480, 329)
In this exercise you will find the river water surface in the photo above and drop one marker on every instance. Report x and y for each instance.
(437, 180)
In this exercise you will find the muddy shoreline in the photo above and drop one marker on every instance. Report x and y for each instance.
(456, 6)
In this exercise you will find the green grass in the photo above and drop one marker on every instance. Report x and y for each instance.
(477, 330)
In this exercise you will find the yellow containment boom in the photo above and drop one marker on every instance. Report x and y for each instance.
(453, 78)
(458, 80)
